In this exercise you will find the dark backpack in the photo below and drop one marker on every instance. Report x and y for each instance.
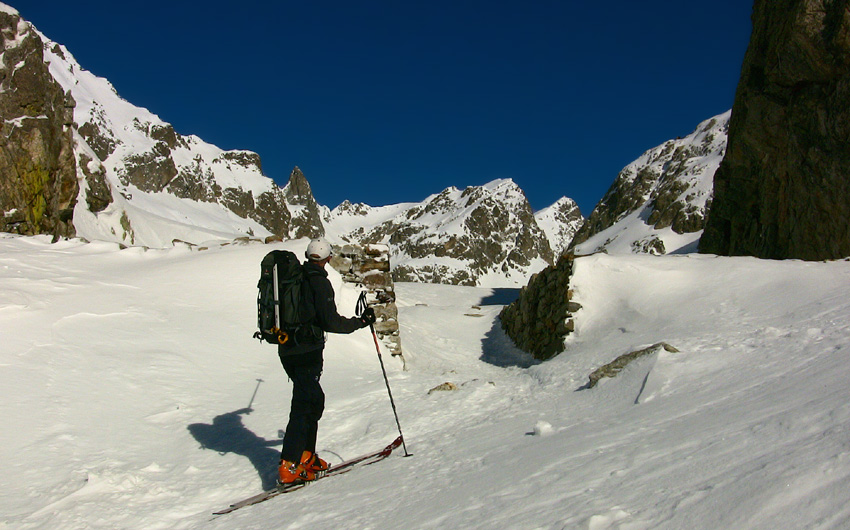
(285, 315)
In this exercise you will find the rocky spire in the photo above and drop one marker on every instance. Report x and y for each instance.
(306, 214)
(297, 190)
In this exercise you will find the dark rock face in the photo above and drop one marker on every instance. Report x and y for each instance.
(196, 182)
(307, 218)
(98, 192)
(244, 159)
(38, 180)
(98, 136)
(272, 212)
(151, 171)
(541, 317)
(238, 201)
(626, 194)
(783, 188)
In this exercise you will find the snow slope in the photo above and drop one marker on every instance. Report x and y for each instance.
(128, 375)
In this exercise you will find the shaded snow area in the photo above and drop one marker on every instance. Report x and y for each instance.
(128, 377)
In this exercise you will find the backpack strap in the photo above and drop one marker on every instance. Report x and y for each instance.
(313, 333)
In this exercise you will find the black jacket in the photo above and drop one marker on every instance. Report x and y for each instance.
(327, 317)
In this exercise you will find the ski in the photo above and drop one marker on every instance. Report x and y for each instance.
(348, 465)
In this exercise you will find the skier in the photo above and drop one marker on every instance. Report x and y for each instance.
(303, 364)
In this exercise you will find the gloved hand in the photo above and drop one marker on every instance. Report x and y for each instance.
(368, 316)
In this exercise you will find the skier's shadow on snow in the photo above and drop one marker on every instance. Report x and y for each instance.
(227, 434)
(496, 348)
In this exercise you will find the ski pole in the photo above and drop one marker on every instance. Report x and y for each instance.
(361, 306)
(255, 393)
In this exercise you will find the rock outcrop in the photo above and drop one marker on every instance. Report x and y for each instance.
(38, 179)
(783, 189)
(540, 319)
(620, 363)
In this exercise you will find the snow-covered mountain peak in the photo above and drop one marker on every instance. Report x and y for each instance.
(560, 222)
(131, 178)
(480, 235)
(657, 204)
(145, 184)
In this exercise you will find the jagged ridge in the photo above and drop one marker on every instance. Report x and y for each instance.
(476, 236)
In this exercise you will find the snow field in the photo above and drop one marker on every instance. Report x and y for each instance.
(128, 375)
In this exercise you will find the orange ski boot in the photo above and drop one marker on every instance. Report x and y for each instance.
(311, 462)
(292, 473)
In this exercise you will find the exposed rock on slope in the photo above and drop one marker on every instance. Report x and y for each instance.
(783, 189)
(541, 317)
(306, 212)
(75, 158)
(620, 363)
(38, 180)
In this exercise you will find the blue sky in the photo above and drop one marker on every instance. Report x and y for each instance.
(390, 101)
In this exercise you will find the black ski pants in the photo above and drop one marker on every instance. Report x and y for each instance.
(308, 403)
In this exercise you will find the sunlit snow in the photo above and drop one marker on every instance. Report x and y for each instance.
(128, 377)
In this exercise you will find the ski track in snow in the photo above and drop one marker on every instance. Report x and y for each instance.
(129, 375)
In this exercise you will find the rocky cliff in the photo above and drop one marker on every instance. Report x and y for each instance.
(783, 189)
(306, 212)
(38, 181)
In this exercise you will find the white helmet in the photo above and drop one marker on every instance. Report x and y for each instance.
(317, 250)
